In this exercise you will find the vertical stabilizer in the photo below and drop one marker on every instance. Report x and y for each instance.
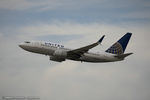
(120, 46)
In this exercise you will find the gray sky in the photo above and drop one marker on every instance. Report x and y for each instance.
(74, 24)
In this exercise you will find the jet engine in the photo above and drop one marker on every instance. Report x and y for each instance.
(60, 54)
(58, 59)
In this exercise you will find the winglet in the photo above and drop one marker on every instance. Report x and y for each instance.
(101, 39)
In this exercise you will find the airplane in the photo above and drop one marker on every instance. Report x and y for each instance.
(59, 53)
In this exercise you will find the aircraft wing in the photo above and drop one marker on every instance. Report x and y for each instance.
(76, 53)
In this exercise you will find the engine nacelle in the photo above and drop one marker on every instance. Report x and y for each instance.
(60, 54)
(58, 59)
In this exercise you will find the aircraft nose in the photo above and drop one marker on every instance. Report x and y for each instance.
(21, 45)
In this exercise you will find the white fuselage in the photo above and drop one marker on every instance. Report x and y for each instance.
(50, 49)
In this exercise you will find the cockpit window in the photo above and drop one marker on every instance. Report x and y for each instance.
(26, 41)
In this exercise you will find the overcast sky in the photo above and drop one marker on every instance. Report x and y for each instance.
(74, 23)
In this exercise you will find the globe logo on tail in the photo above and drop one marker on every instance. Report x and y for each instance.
(115, 49)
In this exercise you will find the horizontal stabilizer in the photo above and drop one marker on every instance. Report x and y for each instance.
(123, 55)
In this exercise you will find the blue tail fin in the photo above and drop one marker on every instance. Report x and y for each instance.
(120, 46)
